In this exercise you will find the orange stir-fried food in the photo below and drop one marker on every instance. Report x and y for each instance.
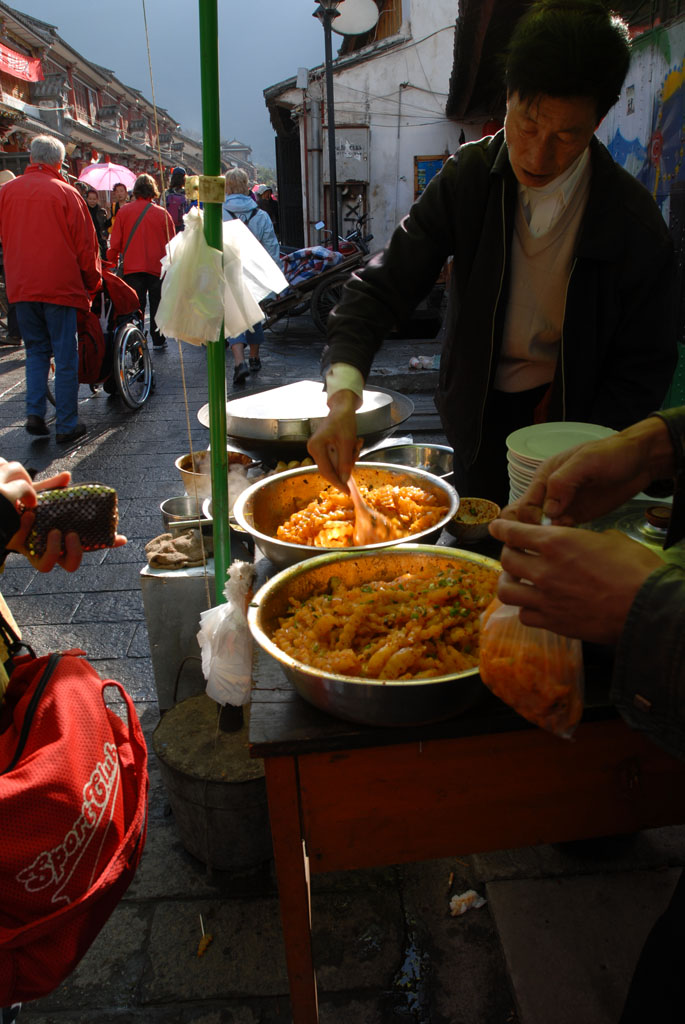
(535, 672)
(328, 520)
(412, 627)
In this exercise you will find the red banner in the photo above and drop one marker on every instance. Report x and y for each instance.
(20, 66)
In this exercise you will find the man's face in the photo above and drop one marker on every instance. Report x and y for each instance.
(546, 134)
(119, 194)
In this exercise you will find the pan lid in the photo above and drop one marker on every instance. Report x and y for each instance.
(293, 412)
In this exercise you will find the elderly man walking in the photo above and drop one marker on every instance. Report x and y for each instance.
(52, 269)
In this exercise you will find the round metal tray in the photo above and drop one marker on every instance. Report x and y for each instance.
(290, 447)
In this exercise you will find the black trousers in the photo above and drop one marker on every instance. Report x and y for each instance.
(505, 412)
(148, 287)
(657, 990)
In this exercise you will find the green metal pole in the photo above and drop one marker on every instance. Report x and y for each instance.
(216, 351)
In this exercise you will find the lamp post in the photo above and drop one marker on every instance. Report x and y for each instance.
(326, 11)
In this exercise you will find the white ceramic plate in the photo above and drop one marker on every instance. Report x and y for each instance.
(541, 440)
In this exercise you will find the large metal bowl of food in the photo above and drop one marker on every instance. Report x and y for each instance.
(434, 458)
(295, 503)
(319, 617)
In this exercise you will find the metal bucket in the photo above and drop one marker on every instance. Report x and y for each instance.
(216, 790)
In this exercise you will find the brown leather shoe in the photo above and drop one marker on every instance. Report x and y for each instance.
(37, 426)
(73, 435)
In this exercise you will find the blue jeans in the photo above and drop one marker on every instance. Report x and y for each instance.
(253, 337)
(50, 330)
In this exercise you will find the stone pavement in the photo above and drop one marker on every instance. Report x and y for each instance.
(561, 929)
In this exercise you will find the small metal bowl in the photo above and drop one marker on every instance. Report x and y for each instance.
(262, 508)
(195, 470)
(356, 699)
(183, 513)
(433, 458)
(470, 524)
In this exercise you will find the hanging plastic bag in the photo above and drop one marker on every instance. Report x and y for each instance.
(191, 307)
(226, 642)
(537, 673)
(250, 275)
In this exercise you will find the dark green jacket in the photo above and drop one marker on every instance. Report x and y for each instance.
(618, 347)
(648, 684)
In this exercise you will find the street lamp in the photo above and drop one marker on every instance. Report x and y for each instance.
(326, 11)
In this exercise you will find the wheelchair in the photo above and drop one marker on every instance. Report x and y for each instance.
(127, 366)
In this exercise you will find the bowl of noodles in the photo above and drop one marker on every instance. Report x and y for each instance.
(379, 637)
(296, 515)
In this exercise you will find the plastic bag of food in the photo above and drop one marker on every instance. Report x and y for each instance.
(191, 306)
(226, 642)
(537, 673)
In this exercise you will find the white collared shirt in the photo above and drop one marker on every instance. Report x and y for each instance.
(542, 207)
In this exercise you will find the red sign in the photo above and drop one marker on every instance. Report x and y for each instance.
(19, 65)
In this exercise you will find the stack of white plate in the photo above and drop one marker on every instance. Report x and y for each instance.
(529, 446)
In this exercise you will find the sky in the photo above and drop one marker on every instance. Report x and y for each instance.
(261, 43)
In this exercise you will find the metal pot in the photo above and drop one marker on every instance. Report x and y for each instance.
(369, 702)
(262, 508)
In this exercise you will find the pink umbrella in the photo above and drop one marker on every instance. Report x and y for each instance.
(104, 177)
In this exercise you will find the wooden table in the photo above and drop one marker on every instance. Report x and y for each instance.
(343, 796)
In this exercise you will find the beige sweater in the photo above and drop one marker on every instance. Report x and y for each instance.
(540, 271)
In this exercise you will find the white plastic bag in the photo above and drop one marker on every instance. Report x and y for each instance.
(250, 276)
(226, 642)
(191, 306)
(537, 673)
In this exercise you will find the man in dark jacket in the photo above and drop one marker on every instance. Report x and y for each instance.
(561, 291)
(52, 269)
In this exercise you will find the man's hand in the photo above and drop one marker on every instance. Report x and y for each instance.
(590, 480)
(583, 583)
(334, 445)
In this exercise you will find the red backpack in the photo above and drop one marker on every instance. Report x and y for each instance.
(73, 793)
(92, 348)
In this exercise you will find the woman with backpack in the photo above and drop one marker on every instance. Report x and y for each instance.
(239, 205)
(175, 201)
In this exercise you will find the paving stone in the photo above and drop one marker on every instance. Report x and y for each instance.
(44, 609)
(111, 971)
(111, 607)
(139, 646)
(168, 871)
(245, 957)
(88, 578)
(459, 972)
(134, 674)
(111, 641)
(571, 943)
(357, 938)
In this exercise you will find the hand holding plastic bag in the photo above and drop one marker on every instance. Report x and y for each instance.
(537, 673)
(191, 307)
(226, 642)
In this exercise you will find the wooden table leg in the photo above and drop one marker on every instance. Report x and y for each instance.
(292, 872)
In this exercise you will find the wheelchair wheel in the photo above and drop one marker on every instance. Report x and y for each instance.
(325, 296)
(133, 374)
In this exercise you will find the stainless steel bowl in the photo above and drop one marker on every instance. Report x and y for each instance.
(182, 508)
(433, 458)
(369, 702)
(262, 508)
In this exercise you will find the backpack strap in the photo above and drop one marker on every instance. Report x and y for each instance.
(133, 229)
(236, 216)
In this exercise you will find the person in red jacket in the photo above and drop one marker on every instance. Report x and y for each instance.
(52, 268)
(140, 234)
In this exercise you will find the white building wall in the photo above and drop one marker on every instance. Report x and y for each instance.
(400, 95)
